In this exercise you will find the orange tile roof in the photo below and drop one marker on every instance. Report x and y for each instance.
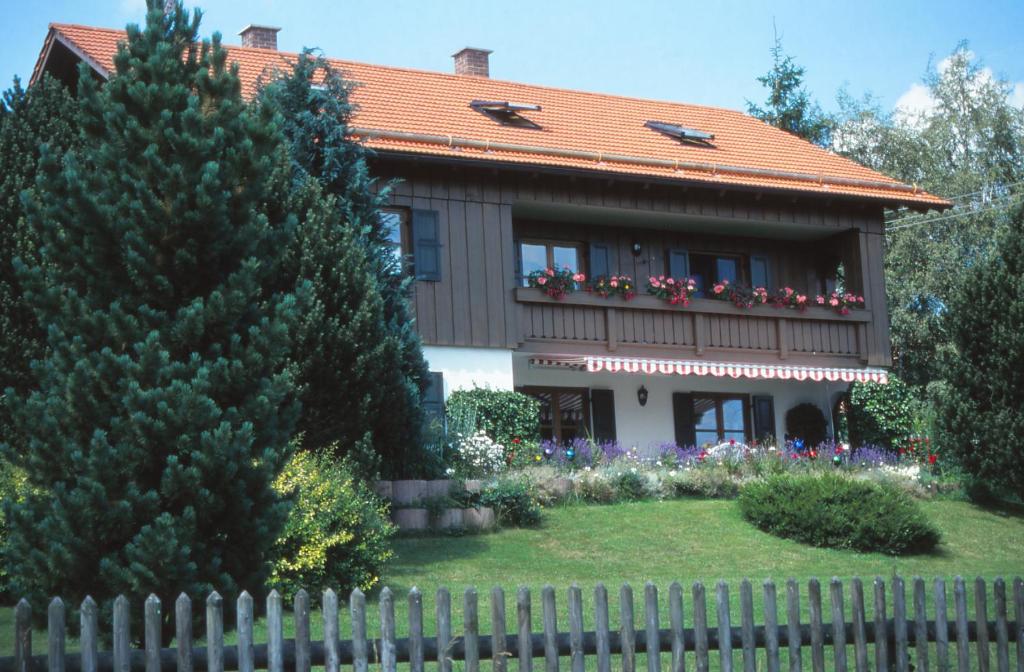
(428, 113)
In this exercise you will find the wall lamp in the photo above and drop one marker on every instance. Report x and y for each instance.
(641, 395)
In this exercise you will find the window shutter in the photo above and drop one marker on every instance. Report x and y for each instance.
(764, 417)
(682, 414)
(426, 245)
(599, 266)
(602, 406)
(433, 397)
(678, 264)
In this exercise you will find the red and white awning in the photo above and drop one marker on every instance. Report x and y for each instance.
(699, 368)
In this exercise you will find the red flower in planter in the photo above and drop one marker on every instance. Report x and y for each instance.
(932, 458)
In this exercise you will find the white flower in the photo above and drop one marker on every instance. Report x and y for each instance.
(449, 471)
(672, 473)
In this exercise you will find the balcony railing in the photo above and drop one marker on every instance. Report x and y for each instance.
(706, 328)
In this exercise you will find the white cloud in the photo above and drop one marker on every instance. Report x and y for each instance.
(917, 100)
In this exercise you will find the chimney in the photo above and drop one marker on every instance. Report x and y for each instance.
(471, 61)
(260, 37)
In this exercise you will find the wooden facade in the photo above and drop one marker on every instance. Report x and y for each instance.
(479, 299)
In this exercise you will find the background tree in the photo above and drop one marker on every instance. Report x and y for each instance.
(979, 417)
(163, 408)
(360, 357)
(28, 119)
(789, 105)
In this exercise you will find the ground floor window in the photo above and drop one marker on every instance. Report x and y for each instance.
(564, 412)
(720, 418)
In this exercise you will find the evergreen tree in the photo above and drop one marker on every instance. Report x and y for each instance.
(788, 105)
(980, 419)
(362, 381)
(28, 119)
(164, 406)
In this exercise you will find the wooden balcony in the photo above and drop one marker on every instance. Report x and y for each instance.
(714, 330)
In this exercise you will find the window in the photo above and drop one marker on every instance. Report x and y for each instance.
(682, 133)
(393, 226)
(759, 272)
(707, 269)
(506, 113)
(564, 412)
(538, 255)
(718, 418)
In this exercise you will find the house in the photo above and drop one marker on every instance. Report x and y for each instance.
(502, 179)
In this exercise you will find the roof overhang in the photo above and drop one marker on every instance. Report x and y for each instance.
(53, 37)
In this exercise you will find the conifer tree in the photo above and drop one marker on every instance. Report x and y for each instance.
(28, 119)
(362, 382)
(980, 419)
(164, 406)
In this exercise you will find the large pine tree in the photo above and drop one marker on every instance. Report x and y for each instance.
(980, 418)
(362, 376)
(28, 119)
(164, 407)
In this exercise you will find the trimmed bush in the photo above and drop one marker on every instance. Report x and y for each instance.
(881, 415)
(631, 486)
(338, 532)
(513, 502)
(833, 511)
(806, 422)
(510, 418)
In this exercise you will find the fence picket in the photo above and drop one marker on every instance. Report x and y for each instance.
(550, 616)
(1002, 633)
(388, 654)
(332, 656)
(1018, 609)
(747, 626)
(838, 624)
(246, 645)
(675, 618)
(471, 629)
(601, 629)
(627, 628)
(360, 647)
(22, 636)
(941, 627)
(793, 625)
(89, 636)
(881, 631)
(652, 627)
(214, 633)
(499, 645)
(576, 652)
(860, 636)
(122, 635)
(415, 630)
(771, 627)
(899, 626)
(524, 628)
(275, 633)
(56, 627)
(443, 614)
(700, 627)
(724, 627)
(962, 640)
(152, 620)
(981, 622)
(183, 631)
(817, 629)
(300, 618)
(920, 625)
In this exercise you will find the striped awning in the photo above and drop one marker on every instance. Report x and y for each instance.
(720, 369)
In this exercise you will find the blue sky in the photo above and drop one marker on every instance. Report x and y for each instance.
(708, 52)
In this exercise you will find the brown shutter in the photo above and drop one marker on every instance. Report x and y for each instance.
(682, 414)
(426, 245)
(764, 417)
(602, 405)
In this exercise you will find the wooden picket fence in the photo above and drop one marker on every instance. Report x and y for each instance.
(902, 642)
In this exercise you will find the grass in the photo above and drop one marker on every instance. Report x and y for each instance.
(684, 540)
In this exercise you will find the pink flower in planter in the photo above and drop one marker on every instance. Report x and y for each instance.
(542, 280)
(550, 272)
(614, 282)
(801, 299)
(821, 300)
(579, 277)
(670, 281)
(833, 302)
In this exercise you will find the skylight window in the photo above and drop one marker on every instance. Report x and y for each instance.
(681, 133)
(506, 113)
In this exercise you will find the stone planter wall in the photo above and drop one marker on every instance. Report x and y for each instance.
(408, 493)
(418, 520)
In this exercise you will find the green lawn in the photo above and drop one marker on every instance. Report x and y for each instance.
(685, 540)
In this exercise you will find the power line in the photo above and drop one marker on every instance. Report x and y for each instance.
(1010, 186)
(992, 206)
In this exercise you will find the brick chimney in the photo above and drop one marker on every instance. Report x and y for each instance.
(260, 37)
(471, 61)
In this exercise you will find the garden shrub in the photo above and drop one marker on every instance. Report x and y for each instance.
(513, 501)
(881, 415)
(508, 417)
(338, 532)
(707, 482)
(806, 422)
(631, 486)
(834, 511)
(595, 488)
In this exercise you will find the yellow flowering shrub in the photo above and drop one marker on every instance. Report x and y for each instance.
(338, 531)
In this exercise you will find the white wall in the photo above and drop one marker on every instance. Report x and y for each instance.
(648, 426)
(466, 368)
